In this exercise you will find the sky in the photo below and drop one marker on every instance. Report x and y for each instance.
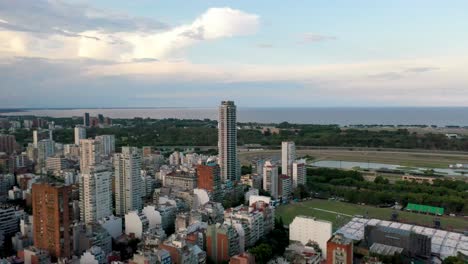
(262, 53)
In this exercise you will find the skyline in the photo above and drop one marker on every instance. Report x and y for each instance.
(80, 54)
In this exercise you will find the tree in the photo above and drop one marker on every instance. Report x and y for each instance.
(262, 253)
(381, 180)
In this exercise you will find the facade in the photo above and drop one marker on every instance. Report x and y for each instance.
(34, 255)
(80, 133)
(56, 163)
(222, 242)
(106, 144)
(209, 178)
(288, 155)
(181, 179)
(270, 179)
(127, 167)
(95, 194)
(339, 250)
(52, 218)
(227, 142)
(9, 222)
(45, 149)
(89, 154)
(305, 229)
(244, 258)
(299, 172)
(7, 144)
(284, 186)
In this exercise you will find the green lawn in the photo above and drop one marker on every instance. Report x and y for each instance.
(288, 212)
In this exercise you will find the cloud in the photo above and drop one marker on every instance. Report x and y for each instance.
(422, 69)
(402, 73)
(59, 30)
(308, 38)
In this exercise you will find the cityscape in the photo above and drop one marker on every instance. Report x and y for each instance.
(233, 132)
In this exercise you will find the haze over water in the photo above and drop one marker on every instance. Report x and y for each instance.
(440, 116)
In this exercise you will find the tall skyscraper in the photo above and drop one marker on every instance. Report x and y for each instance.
(270, 179)
(106, 144)
(89, 154)
(52, 218)
(80, 133)
(95, 194)
(288, 155)
(227, 142)
(127, 166)
(86, 121)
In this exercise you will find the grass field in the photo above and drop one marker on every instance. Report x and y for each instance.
(329, 210)
(402, 158)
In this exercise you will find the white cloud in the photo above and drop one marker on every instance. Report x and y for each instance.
(132, 42)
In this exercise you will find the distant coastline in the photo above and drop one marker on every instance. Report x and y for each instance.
(344, 116)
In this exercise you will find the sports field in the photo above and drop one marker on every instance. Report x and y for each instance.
(339, 213)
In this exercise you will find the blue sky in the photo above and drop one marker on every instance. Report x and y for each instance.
(103, 53)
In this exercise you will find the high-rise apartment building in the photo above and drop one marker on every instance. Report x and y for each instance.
(222, 242)
(86, 120)
(7, 144)
(52, 218)
(106, 144)
(89, 154)
(298, 173)
(80, 133)
(45, 149)
(288, 155)
(270, 179)
(227, 142)
(209, 178)
(127, 166)
(95, 194)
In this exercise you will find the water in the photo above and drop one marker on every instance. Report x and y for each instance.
(440, 116)
(374, 166)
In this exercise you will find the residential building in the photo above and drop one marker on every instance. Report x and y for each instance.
(298, 173)
(181, 179)
(270, 179)
(106, 144)
(34, 255)
(8, 222)
(45, 149)
(307, 229)
(52, 218)
(80, 133)
(222, 242)
(95, 194)
(284, 186)
(227, 142)
(7, 144)
(89, 154)
(244, 258)
(209, 178)
(127, 167)
(339, 250)
(56, 163)
(288, 156)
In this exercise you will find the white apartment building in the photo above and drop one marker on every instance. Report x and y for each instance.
(270, 179)
(106, 144)
(95, 194)
(304, 229)
(298, 173)
(288, 155)
(89, 154)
